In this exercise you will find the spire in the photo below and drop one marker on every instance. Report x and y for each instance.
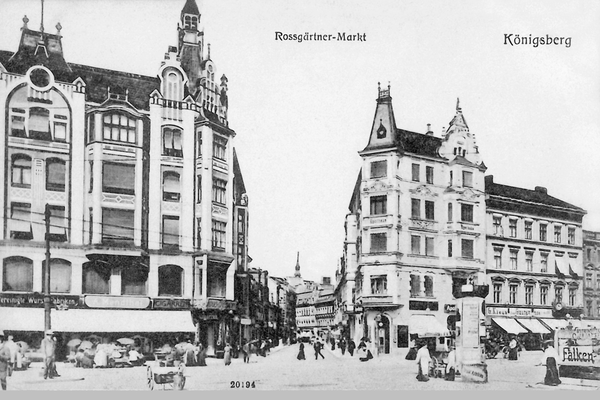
(458, 122)
(42, 23)
(297, 273)
(383, 130)
(190, 7)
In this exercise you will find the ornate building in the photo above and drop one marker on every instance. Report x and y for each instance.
(147, 208)
(534, 260)
(591, 274)
(415, 230)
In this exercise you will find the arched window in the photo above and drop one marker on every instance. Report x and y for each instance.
(172, 91)
(171, 186)
(17, 274)
(21, 170)
(170, 280)
(96, 278)
(133, 279)
(172, 142)
(60, 275)
(55, 174)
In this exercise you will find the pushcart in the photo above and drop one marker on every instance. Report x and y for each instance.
(158, 373)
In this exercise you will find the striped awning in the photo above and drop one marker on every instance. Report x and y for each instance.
(554, 323)
(533, 325)
(509, 325)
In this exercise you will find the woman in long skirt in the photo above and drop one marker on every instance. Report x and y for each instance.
(551, 358)
(227, 354)
(201, 355)
(423, 359)
(301, 355)
(513, 350)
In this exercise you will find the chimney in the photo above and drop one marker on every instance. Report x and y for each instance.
(489, 179)
(429, 131)
(541, 189)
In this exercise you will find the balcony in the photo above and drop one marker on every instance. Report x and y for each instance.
(378, 220)
(377, 301)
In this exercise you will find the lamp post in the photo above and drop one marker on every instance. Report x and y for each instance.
(47, 323)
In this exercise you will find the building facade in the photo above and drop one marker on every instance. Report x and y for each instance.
(415, 230)
(140, 181)
(534, 259)
(591, 277)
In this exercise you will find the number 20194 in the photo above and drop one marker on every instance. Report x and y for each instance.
(242, 385)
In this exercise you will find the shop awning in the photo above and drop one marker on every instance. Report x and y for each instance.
(533, 325)
(90, 320)
(427, 326)
(122, 321)
(554, 323)
(509, 325)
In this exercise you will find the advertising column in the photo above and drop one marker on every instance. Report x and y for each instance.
(471, 362)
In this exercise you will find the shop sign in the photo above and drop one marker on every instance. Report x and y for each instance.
(450, 308)
(519, 312)
(37, 300)
(171, 304)
(246, 321)
(208, 317)
(579, 347)
(474, 373)
(117, 302)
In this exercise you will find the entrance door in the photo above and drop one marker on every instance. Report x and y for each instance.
(383, 335)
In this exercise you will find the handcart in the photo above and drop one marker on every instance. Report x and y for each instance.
(157, 372)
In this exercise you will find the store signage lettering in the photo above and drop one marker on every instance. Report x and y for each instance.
(37, 300)
(579, 347)
(474, 372)
(450, 308)
(117, 302)
(519, 312)
(171, 304)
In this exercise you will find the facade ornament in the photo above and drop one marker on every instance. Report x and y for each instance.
(423, 190)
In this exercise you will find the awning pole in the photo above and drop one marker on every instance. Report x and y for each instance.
(47, 324)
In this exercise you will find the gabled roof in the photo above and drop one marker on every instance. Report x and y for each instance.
(417, 143)
(190, 7)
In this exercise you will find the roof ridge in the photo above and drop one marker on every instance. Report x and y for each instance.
(123, 73)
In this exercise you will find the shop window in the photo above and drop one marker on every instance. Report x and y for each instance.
(170, 280)
(133, 279)
(21, 170)
(60, 275)
(118, 178)
(172, 142)
(55, 174)
(17, 274)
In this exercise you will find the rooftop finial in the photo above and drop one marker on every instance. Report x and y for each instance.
(458, 104)
(42, 23)
(297, 273)
(25, 21)
(58, 29)
(208, 51)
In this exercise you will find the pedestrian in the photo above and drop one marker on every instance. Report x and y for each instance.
(451, 365)
(318, 346)
(13, 348)
(332, 341)
(342, 345)
(351, 347)
(4, 360)
(364, 351)
(48, 350)
(263, 348)
(423, 359)
(201, 355)
(551, 359)
(513, 349)
(301, 355)
(246, 351)
(227, 354)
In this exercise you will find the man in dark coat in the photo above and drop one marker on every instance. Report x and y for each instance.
(342, 345)
(318, 346)
(351, 347)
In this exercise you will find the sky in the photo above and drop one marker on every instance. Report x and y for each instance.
(302, 111)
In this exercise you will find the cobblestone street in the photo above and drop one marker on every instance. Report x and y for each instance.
(281, 371)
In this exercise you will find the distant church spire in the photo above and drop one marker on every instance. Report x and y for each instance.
(297, 273)
(42, 23)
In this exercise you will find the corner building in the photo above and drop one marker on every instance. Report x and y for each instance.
(415, 230)
(148, 211)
